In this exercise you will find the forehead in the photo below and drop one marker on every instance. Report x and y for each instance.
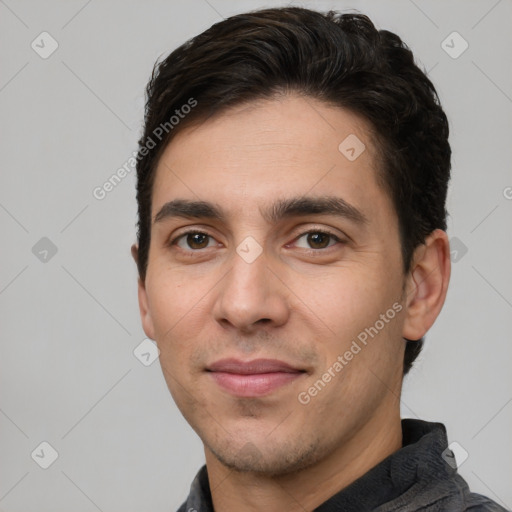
(285, 147)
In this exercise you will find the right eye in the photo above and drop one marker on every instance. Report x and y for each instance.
(194, 240)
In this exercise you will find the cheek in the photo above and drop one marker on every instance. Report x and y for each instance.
(177, 311)
(178, 317)
(350, 303)
(344, 299)
(174, 292)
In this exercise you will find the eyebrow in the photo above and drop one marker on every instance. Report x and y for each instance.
(281, 209)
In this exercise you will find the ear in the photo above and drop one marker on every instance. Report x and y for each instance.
(145, 313)
(427, 284)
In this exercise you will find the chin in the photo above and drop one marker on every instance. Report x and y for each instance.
(267, 458)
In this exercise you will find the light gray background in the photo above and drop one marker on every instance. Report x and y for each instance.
(69, 325)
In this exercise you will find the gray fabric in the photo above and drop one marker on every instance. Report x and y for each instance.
(414, 478)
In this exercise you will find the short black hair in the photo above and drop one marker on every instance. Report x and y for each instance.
(340, 59)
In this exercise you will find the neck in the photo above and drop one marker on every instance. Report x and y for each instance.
(307, 489)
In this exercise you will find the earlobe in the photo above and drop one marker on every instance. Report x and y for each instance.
(145, 313)
(427, 285)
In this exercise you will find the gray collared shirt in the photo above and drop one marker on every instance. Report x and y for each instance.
(420, 476)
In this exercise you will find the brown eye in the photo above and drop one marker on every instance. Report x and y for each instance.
(317, 240)
(193, 240)
(197, 240)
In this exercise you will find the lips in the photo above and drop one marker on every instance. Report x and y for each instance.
(254, 378)
(253, 367)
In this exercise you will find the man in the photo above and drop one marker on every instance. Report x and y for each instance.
(292, 254)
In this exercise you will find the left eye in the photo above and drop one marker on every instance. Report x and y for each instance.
(317, 240)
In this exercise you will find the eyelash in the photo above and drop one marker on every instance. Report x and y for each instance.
(315, 231)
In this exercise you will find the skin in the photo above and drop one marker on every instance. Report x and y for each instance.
(302, 301)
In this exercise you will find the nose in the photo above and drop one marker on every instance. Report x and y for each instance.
(251, 295)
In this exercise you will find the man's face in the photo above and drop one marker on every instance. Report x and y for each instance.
(296, 284)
